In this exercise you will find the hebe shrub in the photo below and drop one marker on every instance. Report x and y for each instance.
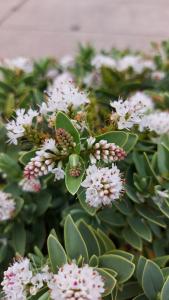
(84, 162)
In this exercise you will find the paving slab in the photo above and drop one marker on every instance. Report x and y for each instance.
(7, 7)
(96, 16)
(38, 44)
(54, 27)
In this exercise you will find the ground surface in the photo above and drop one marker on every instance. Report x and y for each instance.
(53, 27)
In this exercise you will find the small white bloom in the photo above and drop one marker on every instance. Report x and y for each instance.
(38, 280)
(7, 206)
(20, 63)
(157, 122)
(63, 96)
(49, 144)
(67, 61)
(130, 61)
(90, 141)
(144, 99)
(158, 75)
(30, 185)
(101, 60)
(73, 282)
(59, 173)
(15, 280)
(104, 185)
(16, 128)
(128, 113)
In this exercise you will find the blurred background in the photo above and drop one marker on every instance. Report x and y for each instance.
(37, 28)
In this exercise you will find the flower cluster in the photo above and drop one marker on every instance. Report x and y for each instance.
(30, 185)
(16, 279)
(127, 113)
(71, 282)
(19, 63)
(135, 62)
(103, 60)
(7, 206)
(75, 283)
(63, 97)
(156, 121)
(103, 185)
(16, 128)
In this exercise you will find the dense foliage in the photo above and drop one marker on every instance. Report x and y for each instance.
(84, 166)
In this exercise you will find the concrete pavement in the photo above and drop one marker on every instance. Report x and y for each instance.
(39, 28)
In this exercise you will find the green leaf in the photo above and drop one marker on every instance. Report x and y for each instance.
(131, 142)
(57, 255)
(10, 167)
(152, 281)
(132, 238)
(161, 261)
(26, 157)
(62, 121)
(43, 200)
(19, 204)
(165, 290)
(151, 215)
(163, 159)
(124, 254)
(141, 297)
(45, 296)
(109, 281)
(73, 183)
(129, 290)
(74, 243)
(94, 261)
(140, 268)
(124, 206)
(19, 238)
(89, 238)
(111, 217)
(121, 265)
(140, 228)
(108, 243)
(81, 194)
(117, 137)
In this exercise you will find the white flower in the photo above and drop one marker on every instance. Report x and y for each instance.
(128, 113)
(73, 282)
(16, 128)
(103, 185)
(90, 141)
(136, 62)
(157, 122)
(130, 61)
(59, 79)
(158, 75)
(67, 61)
(7, 206)
(40, 165)
(20, 63)
(49, 144)
(63, 96)
(59, 173)
(30, 185)
(15, 280)
(103, 60)
(38, 280)
(144, 99)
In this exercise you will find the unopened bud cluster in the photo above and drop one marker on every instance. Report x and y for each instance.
(108, 152)
(39, 165)
(64, 140)
(75, 171)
